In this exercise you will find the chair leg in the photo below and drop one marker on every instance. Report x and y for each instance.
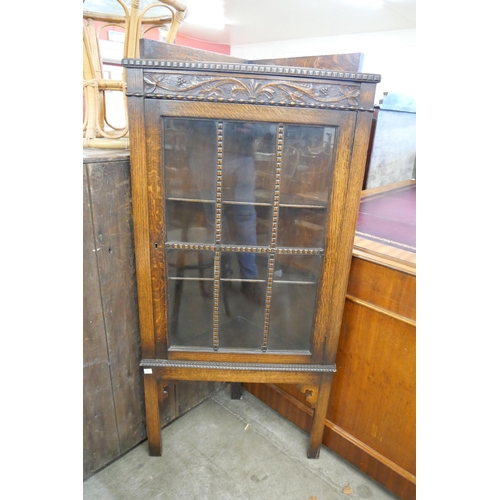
(201, 274)
(318, 424)
(177, 306)
(225, 298)
(152, 405)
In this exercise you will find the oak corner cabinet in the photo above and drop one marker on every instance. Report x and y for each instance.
(246, 182)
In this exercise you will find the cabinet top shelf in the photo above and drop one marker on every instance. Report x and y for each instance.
(259, 69)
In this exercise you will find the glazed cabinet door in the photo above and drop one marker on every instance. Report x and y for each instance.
(244, 206)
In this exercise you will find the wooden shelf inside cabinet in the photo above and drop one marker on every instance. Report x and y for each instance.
(246, 181)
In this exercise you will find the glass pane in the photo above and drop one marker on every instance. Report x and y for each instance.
(292, 315)
(241, 331)
(249, 162)
(190, 288)
(243, 294)
(248, 179)
(191, 263)
(190, 158)
(246, 224)
(290, 158)
(244, 266)
(190, 312)
(302, 268)
(307, 167)
(190, 221)
(301, 227)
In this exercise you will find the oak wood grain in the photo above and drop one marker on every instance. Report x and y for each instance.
(100, 436)
(338, 62)
(113, 393)
(109, 186)
(101, 442)
(139, 176)
(371, 417)
(375, 384)
(383, 286)
(152, 49)
(342, 101)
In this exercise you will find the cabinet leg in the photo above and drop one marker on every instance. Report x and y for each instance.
(318, 423)
(236, 390)
(153, 426)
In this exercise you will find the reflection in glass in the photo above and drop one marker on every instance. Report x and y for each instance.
(293, 300)
(242, 332)
(249, 160)
(244, 223)
(186, 328)
(190, 221)
(190, 263)
(190, 158)
(301, 268)
(246, 298)
(190, 288)
(234, 266)
(292, 315)
(301, 227)
(307, 169)
(244, 327)
(190, 166)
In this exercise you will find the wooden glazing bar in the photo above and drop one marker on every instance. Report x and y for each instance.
(218, 232)
(218, 195)
(274, 236)
(269, 291)
(188, 246)
(277, 181)
(216, 300)
(170, 245)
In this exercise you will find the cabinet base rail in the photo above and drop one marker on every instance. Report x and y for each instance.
(316, 380)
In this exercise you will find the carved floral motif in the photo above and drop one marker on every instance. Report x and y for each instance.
(249, 90)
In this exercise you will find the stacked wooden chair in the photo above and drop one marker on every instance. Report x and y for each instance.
(136, 18)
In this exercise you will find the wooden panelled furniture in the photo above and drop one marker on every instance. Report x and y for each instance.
(371, 416)
(246, 180)
(371, 413)
(111, 350)
(113, 395)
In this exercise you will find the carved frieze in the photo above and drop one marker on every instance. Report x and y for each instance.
(238, 89)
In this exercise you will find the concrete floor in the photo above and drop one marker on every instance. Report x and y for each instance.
(226, 449)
